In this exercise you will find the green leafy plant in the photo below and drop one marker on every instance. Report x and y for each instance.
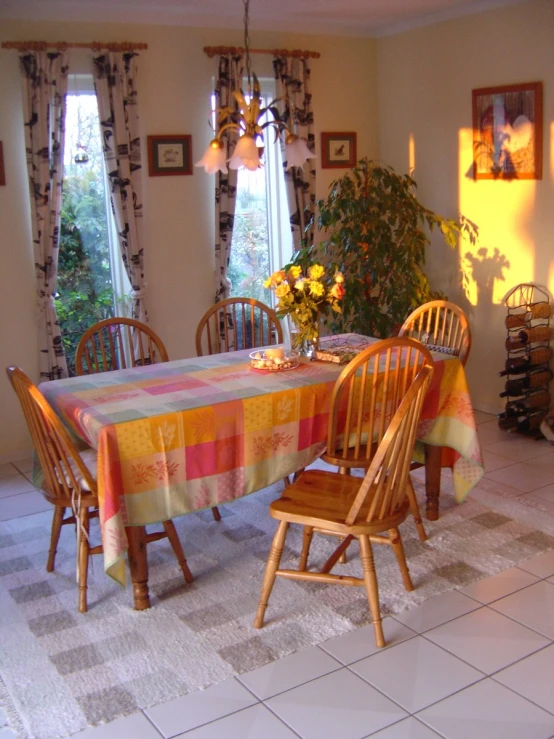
(85, 293)
(377, 234)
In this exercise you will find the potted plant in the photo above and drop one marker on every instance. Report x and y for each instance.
(376, 233)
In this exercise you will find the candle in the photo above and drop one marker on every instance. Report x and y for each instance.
(275, 353)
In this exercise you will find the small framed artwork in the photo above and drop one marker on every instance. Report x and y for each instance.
(2, 170)
(338, 150)
(507, 132)
(169, 155)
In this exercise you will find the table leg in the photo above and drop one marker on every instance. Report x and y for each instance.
(138, 564)
(433, 459)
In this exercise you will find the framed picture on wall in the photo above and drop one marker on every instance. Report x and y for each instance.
(507, 132)
(169, 155)
(338, 150)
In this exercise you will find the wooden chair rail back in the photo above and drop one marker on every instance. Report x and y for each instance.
(366, 396)
(440, 323)
(118, 343)
(237, 323)
(59, 458)
(385, 482)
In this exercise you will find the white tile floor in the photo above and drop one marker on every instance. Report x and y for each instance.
(476, 663)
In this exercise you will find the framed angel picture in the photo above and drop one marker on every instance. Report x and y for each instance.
(507, 132)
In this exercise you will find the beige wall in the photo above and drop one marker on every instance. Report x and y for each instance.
(175, 82)
(425, 81)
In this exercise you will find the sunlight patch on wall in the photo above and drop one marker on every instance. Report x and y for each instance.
(504, 255)
(411, 154)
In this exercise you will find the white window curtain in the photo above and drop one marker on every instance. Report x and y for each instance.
(44, 80)
(292, 75)
(229, 79)
(115, 79)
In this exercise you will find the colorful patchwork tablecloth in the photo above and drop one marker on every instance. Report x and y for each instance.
(194, 433)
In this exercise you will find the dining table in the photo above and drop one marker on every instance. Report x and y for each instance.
(189, 434)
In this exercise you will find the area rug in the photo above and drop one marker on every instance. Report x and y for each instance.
(61, 671)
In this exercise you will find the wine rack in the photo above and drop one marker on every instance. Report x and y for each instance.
(527, 368)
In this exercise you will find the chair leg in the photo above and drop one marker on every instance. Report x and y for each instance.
(339, 555)
(57, 521)
(398, 549)
(83, 551)
(271, 568)
(370, 579)
(306, 541)
(171, 532)
(216, 514)
(414, 507)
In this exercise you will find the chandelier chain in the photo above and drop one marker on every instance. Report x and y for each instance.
(247, 43)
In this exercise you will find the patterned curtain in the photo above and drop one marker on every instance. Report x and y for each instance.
(115, 80)
(229, 79)
(292, 77)
(44, 79)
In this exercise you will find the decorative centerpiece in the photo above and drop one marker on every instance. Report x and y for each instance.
(305, 296)
(275, 359)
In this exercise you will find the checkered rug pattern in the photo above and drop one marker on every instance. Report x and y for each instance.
(64, 671)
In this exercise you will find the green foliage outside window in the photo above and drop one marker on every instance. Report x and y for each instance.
(85, 293)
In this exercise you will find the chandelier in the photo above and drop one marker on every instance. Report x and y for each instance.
(246, 122)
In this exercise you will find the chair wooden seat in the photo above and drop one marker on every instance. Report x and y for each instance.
(70, 483)
(118, 343)
(369, 509)
(326, 499)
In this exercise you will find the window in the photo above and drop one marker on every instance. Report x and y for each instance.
(262, 239)
(91, 278)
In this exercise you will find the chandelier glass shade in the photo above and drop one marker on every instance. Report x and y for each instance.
(245, 118)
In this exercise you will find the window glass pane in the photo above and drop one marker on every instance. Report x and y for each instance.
(262, 240)
(85, 291)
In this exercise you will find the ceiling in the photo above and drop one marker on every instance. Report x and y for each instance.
(336, 17)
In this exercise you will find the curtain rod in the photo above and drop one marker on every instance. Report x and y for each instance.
(63, 45)
(239, 50)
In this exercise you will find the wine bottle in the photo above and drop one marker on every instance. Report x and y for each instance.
(516, 320)
(528, 422)
(531, 402)
(532, 312)
(540, 310)
(532, 422)
(522, 384)
(525, 362)
(528, 336)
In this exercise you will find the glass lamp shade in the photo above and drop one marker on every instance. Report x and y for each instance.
(214, 158)
(296, 151)
(245, 155)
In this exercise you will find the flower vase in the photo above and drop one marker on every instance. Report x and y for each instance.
(305, 339)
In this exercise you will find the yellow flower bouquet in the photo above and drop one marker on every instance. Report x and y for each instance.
(304, 296)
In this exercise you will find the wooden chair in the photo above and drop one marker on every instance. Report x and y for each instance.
(70, 481)
(237, 323)
(366, 395)
(118, 343)
(442, 326)
(369, 509)
(233, 324)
